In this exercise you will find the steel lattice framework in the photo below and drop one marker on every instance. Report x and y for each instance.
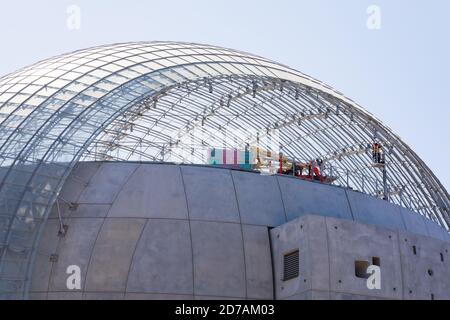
(166, 101)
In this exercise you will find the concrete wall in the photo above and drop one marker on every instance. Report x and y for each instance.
(412, 266)
(161, 231)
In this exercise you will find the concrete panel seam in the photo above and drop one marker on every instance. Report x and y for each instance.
(242, 231)
(402, 218)
(168, 219)
(272, 263)
(101, 227)
(88, 182)
(308, 244)
(50, 277)
(349, 205)
(282, 200)
(401, 264)
(366, 295)
(328, 252)
(190, 230)
(121, 189)
(134, 252)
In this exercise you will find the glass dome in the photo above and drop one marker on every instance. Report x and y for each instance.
(175, 102)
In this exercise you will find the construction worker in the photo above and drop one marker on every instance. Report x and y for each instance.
(375, 151)
(310, 169)
(300, 168)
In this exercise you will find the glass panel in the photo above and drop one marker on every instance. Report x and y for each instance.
(111, 67)
(108, 58)
(19, 98)
(130, 74)
(137, 59)
(141, 69)
(5, 97)
(72, 75)
(99, 73)
(125, 63)
(83, 69)
(16, 88)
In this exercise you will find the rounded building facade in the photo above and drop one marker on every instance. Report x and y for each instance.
(112, 112)
(167, 231)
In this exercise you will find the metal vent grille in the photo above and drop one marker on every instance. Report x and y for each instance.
(290, 265)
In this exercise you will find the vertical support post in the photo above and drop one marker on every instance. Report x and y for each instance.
(385, 188)
(281, 163)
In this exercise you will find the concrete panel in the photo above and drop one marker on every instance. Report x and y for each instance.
(153, 191)
(350, 241)
(414, 222)
(307, 234)
(219, 268)
(163, 259)
(258, 262)
(320, 295)
(435, 230)
(42, 264)
(90, 211)
(112, 254)
(306, 295)
(349, 296)
(305, 197)
(153, 259)
(78, 180)
(259, 199)
(103, 296)
(287, 238)
(37, 296)
(81, 210)
(75, 248)
(65, 296)
(210, 193)
(107, 182)
(370, 210)
(425, 267)
(316, 229)
(157, 296)
(310, 295)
